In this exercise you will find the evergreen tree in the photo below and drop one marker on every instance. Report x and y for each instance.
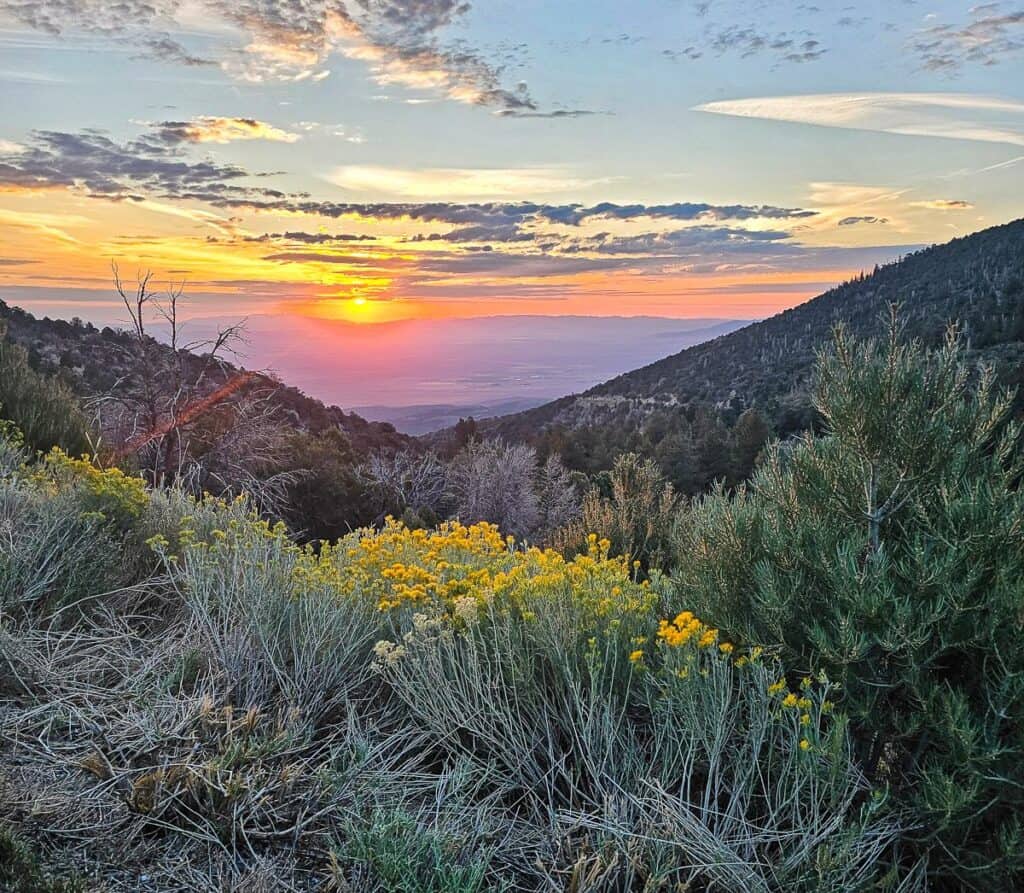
(713, 453)
(465, 432)
(750, 435)
(326, 497)
(888, 553)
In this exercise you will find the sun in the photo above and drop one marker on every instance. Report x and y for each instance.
(363, 309)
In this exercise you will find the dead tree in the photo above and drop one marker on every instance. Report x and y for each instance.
(183, 411)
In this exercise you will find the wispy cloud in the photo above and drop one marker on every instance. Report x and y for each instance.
(751, 41)
(986, 36)
(851, 195)
(457, 182)
(167, 49)
(305, 238)
(719, 38)
(229, 225)
(553, 114)
(864, 218)
(96, 165)
(690, 242)
(30, 77)
(943, 204)
(338, 130)
(485, 235)
(460, 74)
(961, 116)
(402, 42)
(51, 225)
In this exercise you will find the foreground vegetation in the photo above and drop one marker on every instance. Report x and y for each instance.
(403, 710)
(813, 683)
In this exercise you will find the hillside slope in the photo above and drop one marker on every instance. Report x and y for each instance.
(92, 361)
(976, 281)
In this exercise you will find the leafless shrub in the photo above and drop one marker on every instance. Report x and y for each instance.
(557, 496)
(493, 481)
(406, 481)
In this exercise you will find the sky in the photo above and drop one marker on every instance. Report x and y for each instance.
(370, 161)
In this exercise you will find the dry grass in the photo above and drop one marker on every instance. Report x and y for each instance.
(221, 727)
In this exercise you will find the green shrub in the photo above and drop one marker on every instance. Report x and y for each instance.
(326, 497)
(44, 410)
(70, 530)
(395, 854)
(13, 454)
(51, 554)
(262, 615)
(633, 507)
(888, 553)
(21, 871)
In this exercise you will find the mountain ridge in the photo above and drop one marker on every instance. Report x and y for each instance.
(92, 360)
(976, 281)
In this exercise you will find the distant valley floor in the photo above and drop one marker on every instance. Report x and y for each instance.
(423, 375)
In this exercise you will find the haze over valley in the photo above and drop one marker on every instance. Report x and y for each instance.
(452, 368)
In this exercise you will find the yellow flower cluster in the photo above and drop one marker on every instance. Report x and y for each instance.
(108, 492)
(688, 628)
(800, 702)
(460, 571)
(685, 628)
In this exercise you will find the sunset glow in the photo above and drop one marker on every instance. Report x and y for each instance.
(352, 167)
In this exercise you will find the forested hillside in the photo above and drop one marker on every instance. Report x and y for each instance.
(185, 414)
(976, 282)
(694, 397)
(94, 361)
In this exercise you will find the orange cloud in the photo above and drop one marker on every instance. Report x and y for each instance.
(943, 204)
(213, 129)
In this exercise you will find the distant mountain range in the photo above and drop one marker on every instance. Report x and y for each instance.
(415, 376)
(976, 282)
